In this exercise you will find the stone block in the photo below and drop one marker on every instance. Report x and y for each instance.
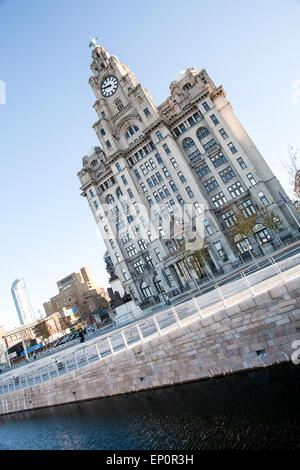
(278, 291)
(247, 304)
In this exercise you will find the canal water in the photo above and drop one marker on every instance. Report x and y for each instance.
(251, 410)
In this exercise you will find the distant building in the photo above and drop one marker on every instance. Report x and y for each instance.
(22, 302)
(25, 333)
(78, 291)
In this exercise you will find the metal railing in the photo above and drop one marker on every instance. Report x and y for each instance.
(173, 317)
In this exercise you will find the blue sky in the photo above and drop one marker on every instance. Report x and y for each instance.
(47, 231)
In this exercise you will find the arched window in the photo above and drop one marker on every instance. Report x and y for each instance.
(157, 283)
(187, 87)
(146, 290)
(188, 143)
(131, 131)
(202, 132)
(109, 199)
(94, 163)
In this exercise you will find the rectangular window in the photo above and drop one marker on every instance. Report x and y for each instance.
(227, 174)
(173, 185)
(131, 251)
(158, 254)
(108, 144)
(232, 147)
(159, 136)
(166, 191)
(247, 208)
(130, 193)
(191, 121)
(214, 119)
(263, 235)
(155, 194)
(219, 199)
(154, 179)
(149, 200)
(125, 237)
(166, 172)
(202, 169)
(150, 183)
(251, 179)
(103, 132)
(112, 243)
(174, 163)
(158, 158)
(180, 200)
(221, 251)
(181, 176)
(166, 148)
(118, 166)
(152, 163)
(263, 198)
(177, 132)
(147, 112)
(206, 106)
(91, 193)
(96, 204)
(138, 176)
(223, 133)
(218, 159)
(197, 116)
(143, 187)
(142, 245)
(158, 176)
(198, 208)
(149, 261)
(210, 184)
(161, 193)
(138, 266)
(210, 145)
(208, 227)
(241, 162)
(125, 275)
(236, 189)
(189, 191)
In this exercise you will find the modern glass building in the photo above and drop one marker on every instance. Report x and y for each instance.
(22, 301)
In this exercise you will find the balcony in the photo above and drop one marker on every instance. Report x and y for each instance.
(121, 113)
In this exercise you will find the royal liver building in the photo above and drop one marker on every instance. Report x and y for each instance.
(171, 179)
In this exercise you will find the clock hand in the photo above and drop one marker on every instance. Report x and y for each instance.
(107, 86)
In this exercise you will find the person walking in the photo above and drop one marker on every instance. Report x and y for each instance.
(81, 336)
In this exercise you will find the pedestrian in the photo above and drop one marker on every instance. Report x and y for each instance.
(81, 336)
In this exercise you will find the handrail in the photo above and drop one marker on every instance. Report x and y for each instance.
(130, 334)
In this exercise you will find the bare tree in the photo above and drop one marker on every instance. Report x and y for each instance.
(292, 167)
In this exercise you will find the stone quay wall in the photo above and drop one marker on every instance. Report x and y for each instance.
(254, 333)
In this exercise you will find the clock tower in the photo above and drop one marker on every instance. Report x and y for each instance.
(122, 103)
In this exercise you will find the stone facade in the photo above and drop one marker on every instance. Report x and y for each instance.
(188, 158)
(77, 291)
(255, 333)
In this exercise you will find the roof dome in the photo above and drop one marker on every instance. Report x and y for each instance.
(180, 76)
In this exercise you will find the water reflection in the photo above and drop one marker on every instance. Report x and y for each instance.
(256, 410)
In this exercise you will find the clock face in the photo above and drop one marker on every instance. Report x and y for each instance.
(109, 86)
